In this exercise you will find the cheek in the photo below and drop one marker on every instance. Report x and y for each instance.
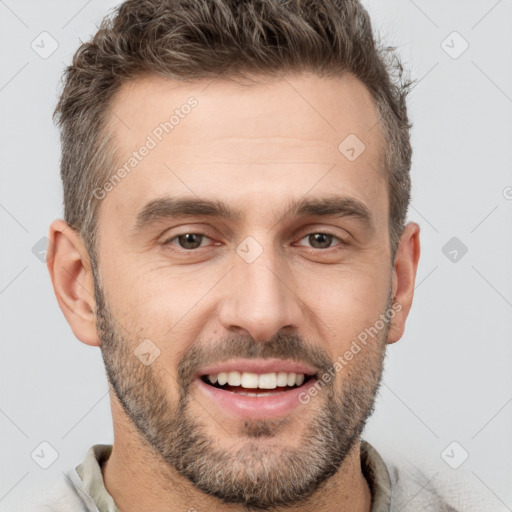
(149, 295)
(162, 305)
(347, 302)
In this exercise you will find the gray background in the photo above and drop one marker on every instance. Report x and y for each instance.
(448, 380)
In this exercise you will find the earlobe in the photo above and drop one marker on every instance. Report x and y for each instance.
(403, 279)
(69, 267)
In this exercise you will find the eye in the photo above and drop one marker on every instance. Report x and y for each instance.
(187, 241)
(322, 240)
(191, 241)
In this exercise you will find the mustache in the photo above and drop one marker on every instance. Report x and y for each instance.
(281, 346)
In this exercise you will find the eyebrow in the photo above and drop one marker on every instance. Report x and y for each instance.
(168, 208)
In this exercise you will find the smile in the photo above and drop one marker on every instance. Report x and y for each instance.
(237, 382)
(251, 390)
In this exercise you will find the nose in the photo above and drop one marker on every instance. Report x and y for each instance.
(260, 298)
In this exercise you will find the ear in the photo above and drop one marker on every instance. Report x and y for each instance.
(70, 271)
(403, 279)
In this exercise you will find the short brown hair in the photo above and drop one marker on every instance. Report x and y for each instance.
(199, 39)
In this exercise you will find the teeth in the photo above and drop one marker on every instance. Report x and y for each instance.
(282, 379)
(251, 380)
(234, 378)
(267, 381)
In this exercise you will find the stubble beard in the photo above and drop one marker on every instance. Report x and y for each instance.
(259, 472)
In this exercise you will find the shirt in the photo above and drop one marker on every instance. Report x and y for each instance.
(83, 488)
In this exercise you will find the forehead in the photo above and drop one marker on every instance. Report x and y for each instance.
(245, 143)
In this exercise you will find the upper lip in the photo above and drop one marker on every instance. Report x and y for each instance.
(259, 366)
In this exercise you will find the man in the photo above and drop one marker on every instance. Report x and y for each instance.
(236, 183)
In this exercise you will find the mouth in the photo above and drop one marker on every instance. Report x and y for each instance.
(250, 390)
(256, 385)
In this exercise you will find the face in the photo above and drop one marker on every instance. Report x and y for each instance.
(240, 258)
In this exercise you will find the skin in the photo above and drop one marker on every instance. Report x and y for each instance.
(255, 147)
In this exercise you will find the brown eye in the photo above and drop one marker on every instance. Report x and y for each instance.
(321, 240)
(187, 241)
(190, 240)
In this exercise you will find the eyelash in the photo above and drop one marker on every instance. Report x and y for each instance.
(201, 233)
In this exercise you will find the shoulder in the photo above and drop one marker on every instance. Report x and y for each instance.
(57, 493)
(413, 490)
(64, 491)
(428, 488)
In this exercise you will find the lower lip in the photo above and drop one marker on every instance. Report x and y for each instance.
(256, 407)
